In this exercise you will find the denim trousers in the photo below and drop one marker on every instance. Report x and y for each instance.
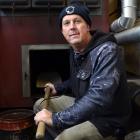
(83, 131)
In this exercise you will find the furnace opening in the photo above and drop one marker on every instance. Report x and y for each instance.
(38, 62)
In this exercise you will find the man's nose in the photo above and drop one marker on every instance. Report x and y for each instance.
(72, 25)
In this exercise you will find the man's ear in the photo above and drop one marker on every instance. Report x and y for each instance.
(61, 31)
(88, 28)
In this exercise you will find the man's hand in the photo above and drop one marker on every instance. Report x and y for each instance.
(51, 86)
(45, 116)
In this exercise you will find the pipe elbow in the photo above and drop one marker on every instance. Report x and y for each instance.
(122, 23)
(127, 18)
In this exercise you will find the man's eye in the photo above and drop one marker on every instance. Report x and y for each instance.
(66, 23)
(78, 21)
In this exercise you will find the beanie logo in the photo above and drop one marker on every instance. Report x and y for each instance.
(70, 10)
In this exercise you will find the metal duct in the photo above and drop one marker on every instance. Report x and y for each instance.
(128, 36)
(128, 16)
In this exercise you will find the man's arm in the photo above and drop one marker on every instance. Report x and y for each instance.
(100, 93)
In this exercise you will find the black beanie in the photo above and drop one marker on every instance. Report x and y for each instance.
(77, 8)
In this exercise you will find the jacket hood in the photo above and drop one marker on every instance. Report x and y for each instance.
(97, 39)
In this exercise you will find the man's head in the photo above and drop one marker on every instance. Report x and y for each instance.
(75, 25)
(75, 8)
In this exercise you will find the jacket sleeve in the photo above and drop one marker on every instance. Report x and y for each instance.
(99, 96)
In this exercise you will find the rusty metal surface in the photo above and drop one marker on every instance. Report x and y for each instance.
(16, 119)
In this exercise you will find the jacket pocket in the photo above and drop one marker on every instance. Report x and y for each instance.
(83, 74)
(84, 78)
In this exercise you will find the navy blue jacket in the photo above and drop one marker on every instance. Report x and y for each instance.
(98, 82)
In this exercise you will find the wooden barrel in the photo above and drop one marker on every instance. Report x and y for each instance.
(17, 124)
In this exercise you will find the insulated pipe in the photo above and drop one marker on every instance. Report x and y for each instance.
(128, 36)
(128, 16)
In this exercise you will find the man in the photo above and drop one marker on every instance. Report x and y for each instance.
(100, 105)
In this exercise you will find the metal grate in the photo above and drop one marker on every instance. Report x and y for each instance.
(6, 4)
(45, 3)
(44, 6)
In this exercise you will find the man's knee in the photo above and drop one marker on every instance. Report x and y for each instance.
(38, 105)
(83, 131)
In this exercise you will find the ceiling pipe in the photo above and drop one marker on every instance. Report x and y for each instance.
(128, 36)
(128, 16)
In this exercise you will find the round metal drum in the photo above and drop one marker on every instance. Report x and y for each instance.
(17, 124)
(16, 119)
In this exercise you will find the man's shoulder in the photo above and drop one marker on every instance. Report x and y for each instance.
(108, 46)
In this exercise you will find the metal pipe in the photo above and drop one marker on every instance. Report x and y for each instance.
(128, 16)
(128, 36)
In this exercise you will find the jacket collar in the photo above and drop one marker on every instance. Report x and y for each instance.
(98, 38)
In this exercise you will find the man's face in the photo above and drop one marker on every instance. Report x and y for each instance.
(74, 29)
